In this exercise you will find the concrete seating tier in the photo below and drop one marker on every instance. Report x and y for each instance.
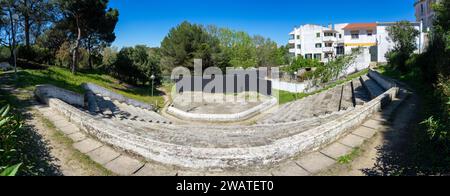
(221, 146)
(337, 99)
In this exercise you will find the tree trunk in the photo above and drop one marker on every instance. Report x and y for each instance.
(89, 54)
(76, 52)
(27, 24)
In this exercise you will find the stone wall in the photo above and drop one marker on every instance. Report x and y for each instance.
(43, 92)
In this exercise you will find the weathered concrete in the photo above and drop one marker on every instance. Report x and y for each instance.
(336, 150)
(222, 146)
(374, 124)
(87, 145)
(352, 140)
(365, 132)
(103, 155)
(124, 165)
(290, 169)
(315, 162)
(155, 170)
(241, 116)
(44, 92)
(77, 137)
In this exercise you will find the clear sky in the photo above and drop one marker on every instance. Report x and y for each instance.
(148, 21)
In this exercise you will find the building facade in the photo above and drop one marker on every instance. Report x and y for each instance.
(316, 42)
(425, 13)
(326, 43)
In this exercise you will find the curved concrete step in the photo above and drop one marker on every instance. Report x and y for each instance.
(372, 86)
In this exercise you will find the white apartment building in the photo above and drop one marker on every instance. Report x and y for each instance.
(326, 43)
(425, 13)
(316, 42)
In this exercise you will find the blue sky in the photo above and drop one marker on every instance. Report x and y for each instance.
(148, 22)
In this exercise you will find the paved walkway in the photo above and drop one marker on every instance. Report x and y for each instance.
(123, 164)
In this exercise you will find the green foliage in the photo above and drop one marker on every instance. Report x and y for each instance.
(243, 50)
(346, 159)
(403, 34)
(137, 65)
(10, 127)
(90, 23)
(187, 42)
(435, 129)
(11, 171)
(35, 54)
(300, 63)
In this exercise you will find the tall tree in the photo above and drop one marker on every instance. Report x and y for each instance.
(88, 20)
(36, 14)
(186, 42)
(404, 35)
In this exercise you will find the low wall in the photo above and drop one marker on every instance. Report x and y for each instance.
(115, 96)
(223, 117)
(43, 92)
(381, 80)
(291, 87)
(194, 157)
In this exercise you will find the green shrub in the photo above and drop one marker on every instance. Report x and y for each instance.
(10, 125)
(35, 54)
(299, 63)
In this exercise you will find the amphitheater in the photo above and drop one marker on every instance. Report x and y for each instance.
(257, 135)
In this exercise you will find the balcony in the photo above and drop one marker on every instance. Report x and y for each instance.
(329, 39)
(292, 41)
(328, 49)
(292, 50)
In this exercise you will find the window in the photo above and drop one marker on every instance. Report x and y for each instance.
(318, 45)
(328, 34)
(355, 34)
(299, 46)
(328, 45)
(422, 10)
(298, 36)
(340, 50)
(318, 56)
(369, 33)
(318, 35)
(340, 36)
(308, 56)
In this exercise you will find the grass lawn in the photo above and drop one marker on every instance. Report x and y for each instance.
(286, 97)
(63, 78)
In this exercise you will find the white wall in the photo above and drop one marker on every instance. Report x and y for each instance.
(385, 44)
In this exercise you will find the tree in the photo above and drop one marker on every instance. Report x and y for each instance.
(36, 14)
(187, 42)
(90, 21)
(138, 64)
(404, 35)
(53, 38)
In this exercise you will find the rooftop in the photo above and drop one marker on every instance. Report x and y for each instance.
(360, 26)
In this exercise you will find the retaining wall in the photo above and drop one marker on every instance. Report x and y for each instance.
(224, 117)
(43, 92)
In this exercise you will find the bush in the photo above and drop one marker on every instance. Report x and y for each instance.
(10, 126)
(300, 63)
(35, 54)
(64, 57)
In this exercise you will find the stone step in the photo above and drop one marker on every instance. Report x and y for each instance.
(372, 86)
(347, 98)
(360, 94)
